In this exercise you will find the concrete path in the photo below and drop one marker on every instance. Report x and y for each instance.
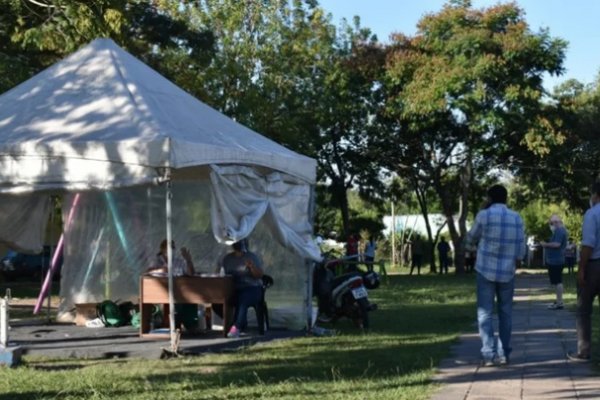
(539, 368)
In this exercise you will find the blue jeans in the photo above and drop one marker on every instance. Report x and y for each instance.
(246, 297)
(487, 291)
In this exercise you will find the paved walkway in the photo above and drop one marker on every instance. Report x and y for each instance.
(539, 368)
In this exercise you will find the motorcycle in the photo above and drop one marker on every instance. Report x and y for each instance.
(343, 294)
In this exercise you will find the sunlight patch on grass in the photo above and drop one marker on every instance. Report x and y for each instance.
(418, 320)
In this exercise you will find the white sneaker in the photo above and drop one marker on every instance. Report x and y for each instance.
(94, 323)
(556, 306)
(502, 360)
(487, 363)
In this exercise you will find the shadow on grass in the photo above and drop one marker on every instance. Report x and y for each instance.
(418, 320)
(327, 364)
(406, 339)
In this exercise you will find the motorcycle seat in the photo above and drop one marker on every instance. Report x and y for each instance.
(339, 279)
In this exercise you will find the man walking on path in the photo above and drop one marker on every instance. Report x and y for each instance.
(539, 368)
(555, 258)
(499, 237)
(588, 276)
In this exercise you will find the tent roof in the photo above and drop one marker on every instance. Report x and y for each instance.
(103, 116)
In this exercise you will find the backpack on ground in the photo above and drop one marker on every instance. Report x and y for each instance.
(110, 314)
(128, 310)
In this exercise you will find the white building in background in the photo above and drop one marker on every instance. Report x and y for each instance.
(416, 223)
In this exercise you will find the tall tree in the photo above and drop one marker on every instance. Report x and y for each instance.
(37, 33)
(344, 104)
(463, 92)
(566, 172)
(420, 194)
(283, 69)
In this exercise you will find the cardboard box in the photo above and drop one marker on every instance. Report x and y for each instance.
(84, 312)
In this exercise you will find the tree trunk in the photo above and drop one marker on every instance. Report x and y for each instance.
(341, 198)
(422, 199)
(457, 242)
(466, 179)
(456, 236)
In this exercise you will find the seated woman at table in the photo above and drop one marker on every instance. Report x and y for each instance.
(182, 265)
(246, 269)
(185, 314)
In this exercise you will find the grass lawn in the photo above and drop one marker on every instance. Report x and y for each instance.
(419, 317)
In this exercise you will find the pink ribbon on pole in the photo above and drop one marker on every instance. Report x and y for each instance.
(53, 265)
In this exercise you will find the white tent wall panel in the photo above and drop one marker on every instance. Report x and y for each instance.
(103, 120)
(115, 235)
(23, 221)
(241, 197)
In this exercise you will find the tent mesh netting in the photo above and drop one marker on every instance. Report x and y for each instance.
(114, 237)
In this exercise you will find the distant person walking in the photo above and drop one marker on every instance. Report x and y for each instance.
(416, 254)
(443, 249)
(555, 258)
(499, 237)
(588, 276)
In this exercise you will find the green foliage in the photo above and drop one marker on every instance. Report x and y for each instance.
(402, 192)
(463, 94)
(283, 69)
(440, 108)
(568, 170)
(536, 215)
(364, 215)
(35, 34)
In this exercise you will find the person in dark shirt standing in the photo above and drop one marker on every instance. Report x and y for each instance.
(416, 254)
(443, 249)
(246, 269)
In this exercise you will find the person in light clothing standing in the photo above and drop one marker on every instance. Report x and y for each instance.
(370, 248)
(555, 258)
(499, 237)
(588, 277)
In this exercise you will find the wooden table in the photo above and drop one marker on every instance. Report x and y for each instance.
(186, 289)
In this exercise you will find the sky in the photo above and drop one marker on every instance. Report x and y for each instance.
(576, 21)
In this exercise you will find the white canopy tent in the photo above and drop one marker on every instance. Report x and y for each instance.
(101, 120)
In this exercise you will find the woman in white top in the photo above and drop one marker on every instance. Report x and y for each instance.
(185, 314)
(182, 265)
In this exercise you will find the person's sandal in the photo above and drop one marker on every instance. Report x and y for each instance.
(234, 332)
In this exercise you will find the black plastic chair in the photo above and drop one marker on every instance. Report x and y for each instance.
(261, 309)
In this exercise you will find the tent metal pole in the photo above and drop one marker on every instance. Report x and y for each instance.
(170, 264)
(49, 303)
(59, 248)
(309, 264)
